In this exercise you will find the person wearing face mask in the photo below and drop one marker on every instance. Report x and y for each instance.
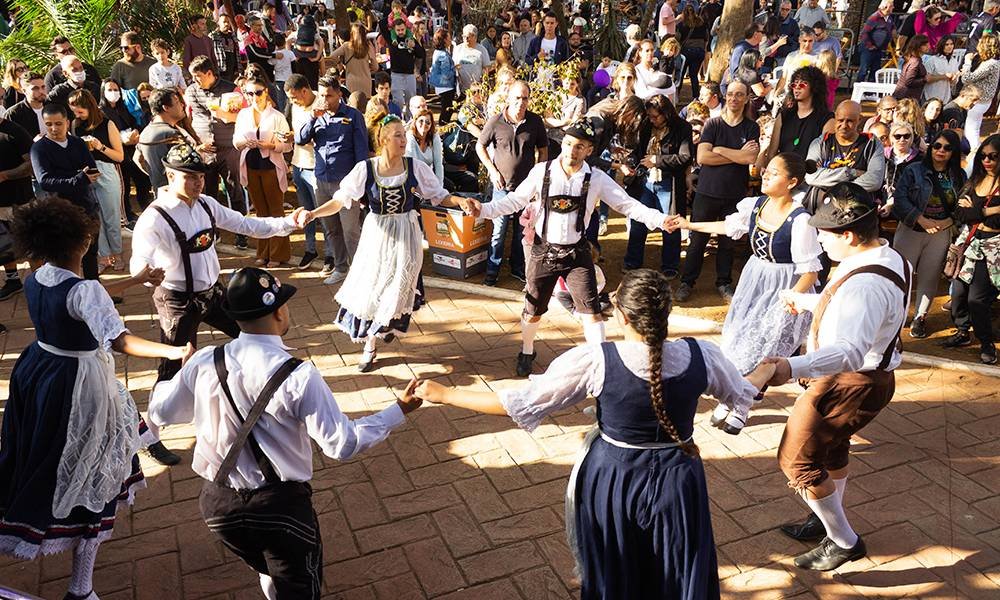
(76, 79)
(61, 47)
(114, 109)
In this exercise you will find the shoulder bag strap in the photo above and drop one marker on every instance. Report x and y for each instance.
(244, 435)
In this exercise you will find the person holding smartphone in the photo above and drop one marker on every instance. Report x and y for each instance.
(65, 167)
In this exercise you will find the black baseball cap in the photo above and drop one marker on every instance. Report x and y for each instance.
(253, 293)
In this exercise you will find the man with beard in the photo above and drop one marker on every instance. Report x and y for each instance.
(133, 68)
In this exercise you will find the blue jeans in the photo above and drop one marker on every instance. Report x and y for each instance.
(500, 225)
(871, 61)
(654, 195)
(305, 189)
(694, 56)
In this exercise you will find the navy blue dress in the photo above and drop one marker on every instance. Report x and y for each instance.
(34, 432)
(643, 522)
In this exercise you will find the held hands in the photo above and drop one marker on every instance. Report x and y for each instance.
(886, 209)
(410, 401)
(471, 206)
(760, 376)
(788, 297)
(430, 391)
(301, 217)
(779, 376)
(183, 353)
(150, 275)
(675, 222)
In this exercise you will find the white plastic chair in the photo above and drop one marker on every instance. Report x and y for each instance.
(887, 76)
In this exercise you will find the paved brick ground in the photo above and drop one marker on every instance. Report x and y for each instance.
(459, 506)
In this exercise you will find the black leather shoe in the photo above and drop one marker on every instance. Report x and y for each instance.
(491, 279)
(960, 338)
(160, 454)
(918, 328)
(988, 354)
(524, 363)
(828, 555)
(810, 531)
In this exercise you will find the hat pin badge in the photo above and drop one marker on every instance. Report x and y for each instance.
(268, 298)
(264, 282)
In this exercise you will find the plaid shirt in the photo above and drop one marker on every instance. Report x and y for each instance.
(877, 22)
(227, 54)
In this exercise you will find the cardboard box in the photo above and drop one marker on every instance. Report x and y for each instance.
(459, 265)
(452, 230)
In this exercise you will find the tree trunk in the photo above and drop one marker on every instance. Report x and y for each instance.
(647, 16)
(340, 15)
(736, 15)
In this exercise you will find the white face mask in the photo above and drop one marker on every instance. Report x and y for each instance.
(78, 76)
(113, 95)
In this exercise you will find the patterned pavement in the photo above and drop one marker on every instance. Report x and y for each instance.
(457, 505)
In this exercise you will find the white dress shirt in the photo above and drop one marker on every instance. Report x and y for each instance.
(353, 187)
(154, 242)
(303, 407)
(579, 373)
(562, 226)
(861, 320)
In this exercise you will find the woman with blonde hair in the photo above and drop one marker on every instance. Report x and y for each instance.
(908, 111)
(358, 58)
(827, 62)
(12, 93)
(981, 69)
(263, 136)
(383, 287)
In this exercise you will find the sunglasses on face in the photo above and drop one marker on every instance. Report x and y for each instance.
(901, 136)
(940, 146)
(254, 92)
(991, 156)
(799, 85)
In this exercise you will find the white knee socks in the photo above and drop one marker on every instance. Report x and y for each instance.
(81, 582)
(830, 511)
(593, 331)
(841, 486)
(528, 331)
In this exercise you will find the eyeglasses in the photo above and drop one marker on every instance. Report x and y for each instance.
(991, 156)
(901, 136)
(736, 95)
(254, 92)
(888, 109)
(940, 146)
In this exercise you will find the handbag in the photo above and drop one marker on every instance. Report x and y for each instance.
(955, 258)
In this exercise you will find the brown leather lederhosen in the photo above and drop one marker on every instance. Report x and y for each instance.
(548, 262)
(833, 408)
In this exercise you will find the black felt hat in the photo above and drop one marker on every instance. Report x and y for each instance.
(254, 293)
(841, 206)
(183, 157)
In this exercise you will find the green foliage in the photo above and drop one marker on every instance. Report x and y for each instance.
(92, 26)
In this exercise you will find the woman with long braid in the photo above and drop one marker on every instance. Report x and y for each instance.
(637, 506)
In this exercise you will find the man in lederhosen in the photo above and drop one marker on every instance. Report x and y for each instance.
(568, 190)
(177, 232)
(853, 349)
(256, 410)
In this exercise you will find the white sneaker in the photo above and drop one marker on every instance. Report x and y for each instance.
(736, 420)
(719, 415)
(335, 278)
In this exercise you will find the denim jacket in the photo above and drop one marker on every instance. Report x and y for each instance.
(442, 71)
(913, 190)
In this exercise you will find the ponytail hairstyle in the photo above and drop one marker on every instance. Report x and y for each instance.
(644, 298)
(796, 167)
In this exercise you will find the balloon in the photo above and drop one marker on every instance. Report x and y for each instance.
(602, 78)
